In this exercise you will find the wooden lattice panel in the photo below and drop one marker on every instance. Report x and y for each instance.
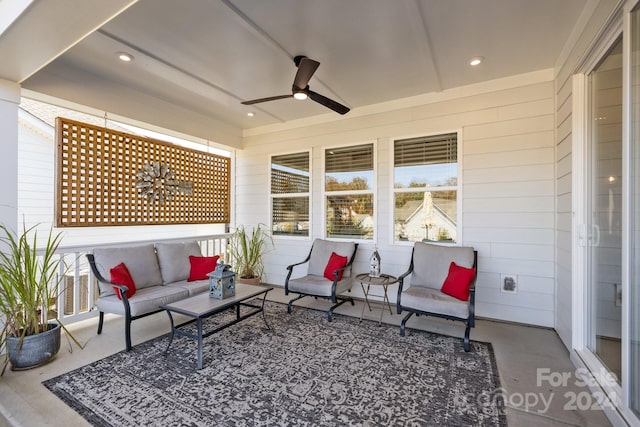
(98, 181)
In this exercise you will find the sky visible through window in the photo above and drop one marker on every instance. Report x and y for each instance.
(435, 175)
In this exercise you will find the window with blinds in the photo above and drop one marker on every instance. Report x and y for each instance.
(426, 188)
(349, 186)
(290, 194)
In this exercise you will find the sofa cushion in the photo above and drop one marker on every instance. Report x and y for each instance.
(173, 259)
(120, 276)
(335, 262)
(201, 266)
(458, 281)
(144, 301)
(141, 262)
(321, 252)
(193, 288)
(431, 263)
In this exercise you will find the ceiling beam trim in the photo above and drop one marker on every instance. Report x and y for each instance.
(417, 13)
(22, 47)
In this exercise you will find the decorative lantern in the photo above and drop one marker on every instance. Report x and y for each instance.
(222, 282)
(374, 263)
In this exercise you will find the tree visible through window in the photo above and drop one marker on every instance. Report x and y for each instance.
(349, 177)
(290, 194)
(425, 188)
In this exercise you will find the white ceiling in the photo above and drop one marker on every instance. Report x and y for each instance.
(196, 60)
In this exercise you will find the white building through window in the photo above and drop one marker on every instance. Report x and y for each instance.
(426, 188)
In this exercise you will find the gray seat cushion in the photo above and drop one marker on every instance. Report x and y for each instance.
(434, 301)
(312, 284)
(141, 261)
(173, 259)
(144, 300)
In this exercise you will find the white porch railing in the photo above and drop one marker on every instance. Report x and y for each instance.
(79, 289)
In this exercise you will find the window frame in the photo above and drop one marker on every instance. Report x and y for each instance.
(457, 188)
(309, 195)
(372, 191)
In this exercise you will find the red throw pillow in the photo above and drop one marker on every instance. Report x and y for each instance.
(458, 281)
(335, 262)
(120, 276)
(201, 266)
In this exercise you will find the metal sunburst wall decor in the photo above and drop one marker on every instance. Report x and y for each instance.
(157, 182)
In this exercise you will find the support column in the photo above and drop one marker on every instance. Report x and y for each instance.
(9, 100)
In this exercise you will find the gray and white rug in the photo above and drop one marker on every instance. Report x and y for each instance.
(305, 371)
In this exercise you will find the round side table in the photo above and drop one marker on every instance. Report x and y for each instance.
(383, 280)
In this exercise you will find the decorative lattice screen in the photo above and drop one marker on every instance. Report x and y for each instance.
(105, 177)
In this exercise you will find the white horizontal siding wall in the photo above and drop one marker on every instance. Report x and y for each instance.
(36, 187)
(564, 214)
(507, 186)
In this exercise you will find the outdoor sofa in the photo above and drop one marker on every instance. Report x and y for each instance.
(162, 273)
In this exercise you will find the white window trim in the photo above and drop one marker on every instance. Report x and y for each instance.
(458, 188)
(373, 191)
(309, 236)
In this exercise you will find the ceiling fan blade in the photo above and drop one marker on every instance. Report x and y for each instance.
(329, 103)
(306, 68)
(271, 98)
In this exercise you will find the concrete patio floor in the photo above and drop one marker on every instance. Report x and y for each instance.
(525, 357)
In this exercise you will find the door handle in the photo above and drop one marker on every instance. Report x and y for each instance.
(595, 235)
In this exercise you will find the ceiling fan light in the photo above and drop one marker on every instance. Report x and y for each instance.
(300, 95)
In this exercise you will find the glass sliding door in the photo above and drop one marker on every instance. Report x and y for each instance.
(604, 208)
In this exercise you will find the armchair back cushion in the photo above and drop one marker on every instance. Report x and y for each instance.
(141, 261)
(321, 252)
(174, 260)
(431, 263)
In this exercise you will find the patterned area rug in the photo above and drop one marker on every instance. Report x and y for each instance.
(305, 371)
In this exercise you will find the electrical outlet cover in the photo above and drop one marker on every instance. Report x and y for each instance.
(509, 283)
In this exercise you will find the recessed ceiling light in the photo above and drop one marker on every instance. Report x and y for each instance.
(123, 56)
(476, 60)
(250, 114)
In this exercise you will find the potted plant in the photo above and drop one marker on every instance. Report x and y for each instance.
(246, 249)
(29, 283)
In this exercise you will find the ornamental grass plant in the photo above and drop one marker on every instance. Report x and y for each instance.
(246, 249)
(30, 279)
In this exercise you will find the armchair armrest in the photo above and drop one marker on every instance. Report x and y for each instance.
(405, 274)
(472, 306)
(401, 284)
(290, 268)
(337, 271)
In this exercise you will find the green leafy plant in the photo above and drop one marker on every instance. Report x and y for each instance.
(246, 248)
(29, 284)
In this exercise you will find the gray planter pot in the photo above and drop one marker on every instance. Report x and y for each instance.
(35, 350)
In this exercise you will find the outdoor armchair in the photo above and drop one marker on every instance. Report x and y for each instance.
(328, 273)
(442, 284)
